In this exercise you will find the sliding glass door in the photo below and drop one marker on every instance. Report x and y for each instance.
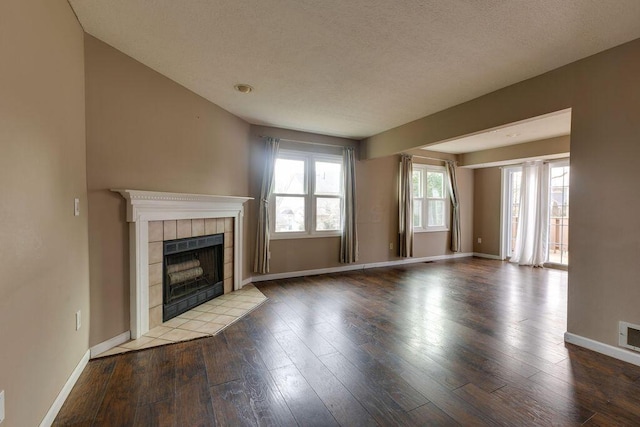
(558, 243)
(559, 214)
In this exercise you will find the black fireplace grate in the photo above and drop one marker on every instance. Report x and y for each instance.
(193, 273)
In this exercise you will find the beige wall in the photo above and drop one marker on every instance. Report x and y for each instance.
(44, 252)
(146, 132)
(377, 198)
(486, 210)
(521, 101)
(603, 93)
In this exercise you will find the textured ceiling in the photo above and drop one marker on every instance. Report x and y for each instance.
(354, 68)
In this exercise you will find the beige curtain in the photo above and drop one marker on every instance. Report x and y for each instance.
(261, 263)
(405, 220)
(456, 240)
(349, 239)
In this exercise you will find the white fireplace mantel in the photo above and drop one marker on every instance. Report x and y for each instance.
(145, 206)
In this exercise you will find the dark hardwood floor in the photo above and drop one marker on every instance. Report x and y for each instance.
(467, 342)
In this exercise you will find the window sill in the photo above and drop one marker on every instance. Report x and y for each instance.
(289, 236)
(432, 230)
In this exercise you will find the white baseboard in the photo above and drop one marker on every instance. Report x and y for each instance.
(64, 393)
(246, 282)
(351, 267)
(488, 256)
(606, 349)
(110, 343)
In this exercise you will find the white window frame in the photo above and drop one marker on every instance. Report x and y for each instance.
(424, 200)
(310, 196)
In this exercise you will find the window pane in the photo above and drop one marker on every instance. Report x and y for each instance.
(417, 213)
(327, 213)
(435, 184)
(559, 176)
(289, 176)
(417, 183)
(328, 178)
(435, 212)
(559, 215)
(289, 214)
(515, 177)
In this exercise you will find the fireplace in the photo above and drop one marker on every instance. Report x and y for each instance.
(193, 273)
(172, 211)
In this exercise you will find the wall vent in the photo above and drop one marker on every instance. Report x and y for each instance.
(629, 336)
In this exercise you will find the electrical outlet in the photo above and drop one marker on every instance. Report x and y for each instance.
(1, 406)
(479, 239)
(76, 207)
(78, 319)
(390, 246)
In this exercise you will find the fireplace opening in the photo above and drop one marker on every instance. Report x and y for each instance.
(193, 273)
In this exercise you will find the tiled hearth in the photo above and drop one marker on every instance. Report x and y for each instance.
(205, 320)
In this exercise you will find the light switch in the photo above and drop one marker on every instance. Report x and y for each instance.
(76, 207)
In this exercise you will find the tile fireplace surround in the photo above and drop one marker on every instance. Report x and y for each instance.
(207, 214)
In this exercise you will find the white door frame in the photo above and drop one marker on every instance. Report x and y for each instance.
(505, 211)
(557, 163)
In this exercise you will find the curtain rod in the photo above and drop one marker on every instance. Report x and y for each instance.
(306, 142)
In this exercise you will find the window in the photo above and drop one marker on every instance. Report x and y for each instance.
(430, 198)
(307, 195)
